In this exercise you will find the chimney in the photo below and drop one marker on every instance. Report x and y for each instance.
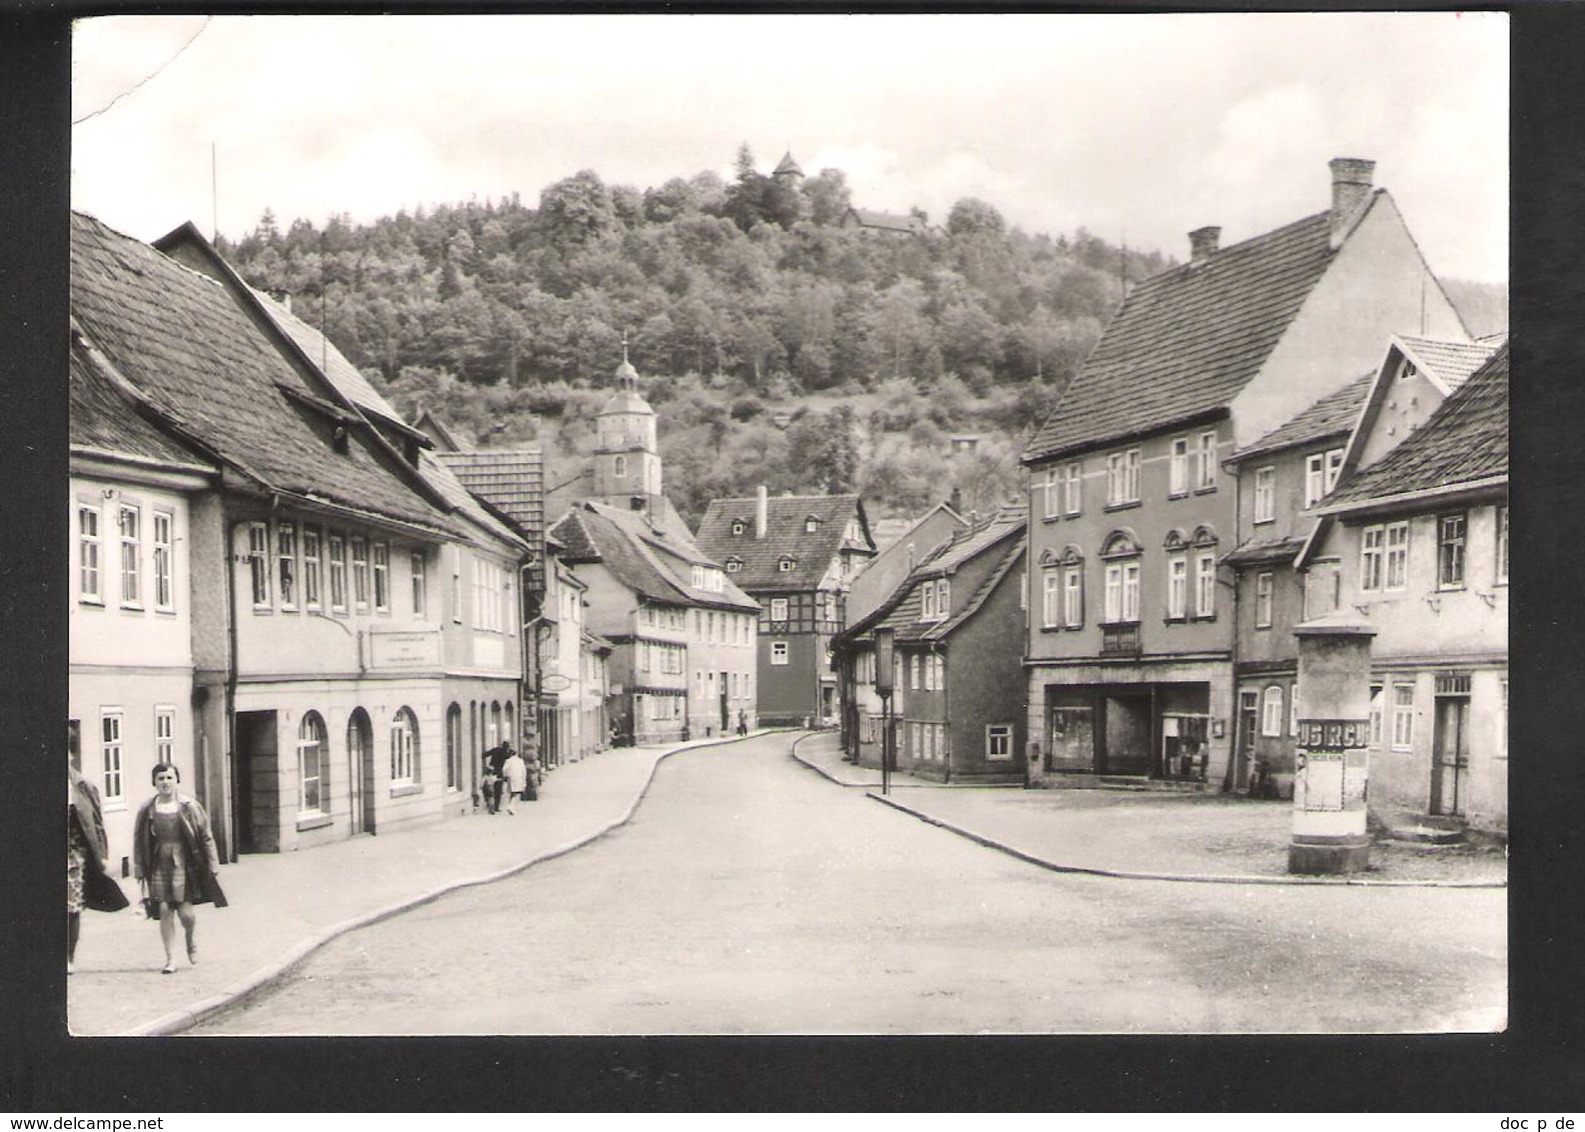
(1203, 243)
(761, 511)
(955, 501)
(1351, 182)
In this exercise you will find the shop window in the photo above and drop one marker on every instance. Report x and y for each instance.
(404, 748)
(313, 765)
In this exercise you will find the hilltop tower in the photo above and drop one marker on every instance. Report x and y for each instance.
(626, 455)
(787, 171)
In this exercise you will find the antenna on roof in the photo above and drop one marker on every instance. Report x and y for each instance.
(624, 347)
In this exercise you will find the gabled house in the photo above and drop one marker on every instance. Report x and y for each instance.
(796, 555)
(1281, 477)
(958, 705)
(1130, 643)
(889, 223)
(316, 708)
(1420, 539)
(133, 483)
(900, 546)
(682, 635)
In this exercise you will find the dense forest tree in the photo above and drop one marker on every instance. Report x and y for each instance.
(780, 346)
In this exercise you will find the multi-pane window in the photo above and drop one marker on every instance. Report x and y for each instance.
(1271, 710)
(1263, 588)
(1205, 584)
(943, 597)
(1320, 474)
(360, 573)
(1205, 462)
(1397, 558)
(1375, 716)
(1121, 598)
(286, 564)
(110, 753)
(164, 734)
(1122, 477)
(1451, 532)
(88, 554)
(778, 652)
(337, 548)
(1177, 586)
(313, 765)
(1372, 550)
(1178, 465)
(1050, 597)
(1265, 494)
(456, 584)
(404, 748)
(1073, 597)
(1072, 488)
(129, 522)
(417, 571)
(927, 602)
(164, 561)
(310, 568)
(1502, 546)
(1051, 492)
(778, 609)
(382, 577)
(999, 741)
(1402, 717)
(259, 564)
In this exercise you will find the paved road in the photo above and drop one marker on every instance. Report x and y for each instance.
(751, 896)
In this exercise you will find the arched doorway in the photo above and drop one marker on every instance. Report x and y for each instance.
(360, 771)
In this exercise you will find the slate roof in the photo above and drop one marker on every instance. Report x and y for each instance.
(653, 566)
(184, 341)
(104, 421)
(1332, 415)
(785, 519)
(1187, 340)
(1464, 441)
(1257, 550)
(901, 611)
(511, 479)
(787, 165)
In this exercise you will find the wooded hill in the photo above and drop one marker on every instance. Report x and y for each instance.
(779, 344)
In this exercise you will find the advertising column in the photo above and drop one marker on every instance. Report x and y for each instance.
(1331, 748)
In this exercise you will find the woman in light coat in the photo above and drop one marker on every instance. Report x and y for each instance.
(515, 771)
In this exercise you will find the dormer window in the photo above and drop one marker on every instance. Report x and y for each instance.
(786, 563)
(698, 577)
(733, 565)
(739, 526)
(935, 599)
(811, 524)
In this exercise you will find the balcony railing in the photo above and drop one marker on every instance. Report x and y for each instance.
(1120, 640)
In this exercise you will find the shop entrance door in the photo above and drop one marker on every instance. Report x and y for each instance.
(360, 770)
(1248, 728)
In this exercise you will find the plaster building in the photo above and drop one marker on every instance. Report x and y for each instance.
(958, 705)
(1419, 538)
(318, 706)
(1130, 634)
(1281, 477)
(796, 555)
(902, 546)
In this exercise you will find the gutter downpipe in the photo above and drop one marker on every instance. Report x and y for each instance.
(1230, 777)
(229, 761)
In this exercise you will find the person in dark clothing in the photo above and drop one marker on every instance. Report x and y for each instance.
(495, 758)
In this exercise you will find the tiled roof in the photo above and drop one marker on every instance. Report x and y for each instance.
(512, 479)
(902, 609)
(890, 221)
(1254, 550)
(1463, 441)
(1330, 416)
(1453, 362)
(786, 517)
(104, 421)
(648, 563)
(182, 339)
(1187, 341)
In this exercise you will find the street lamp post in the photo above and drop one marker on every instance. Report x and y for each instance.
(884, 686)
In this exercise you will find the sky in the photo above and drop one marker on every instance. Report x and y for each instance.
(1138, 128)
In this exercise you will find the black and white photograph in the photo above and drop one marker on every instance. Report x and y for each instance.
(682, 525)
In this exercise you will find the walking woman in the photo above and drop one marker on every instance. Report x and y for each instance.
(174, 858)
(87, 884)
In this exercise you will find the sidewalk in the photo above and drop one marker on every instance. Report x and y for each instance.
(283, 906)
(1145, 835)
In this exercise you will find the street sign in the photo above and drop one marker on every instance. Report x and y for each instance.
(554, 682)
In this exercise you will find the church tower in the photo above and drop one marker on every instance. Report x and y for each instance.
(626, 455)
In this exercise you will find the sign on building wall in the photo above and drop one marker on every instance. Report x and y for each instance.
(403, 651)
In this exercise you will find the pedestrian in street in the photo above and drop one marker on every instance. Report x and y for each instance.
(742, 722)
(175, 860)
(495, 757)
(87, 883)
(515, 771)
